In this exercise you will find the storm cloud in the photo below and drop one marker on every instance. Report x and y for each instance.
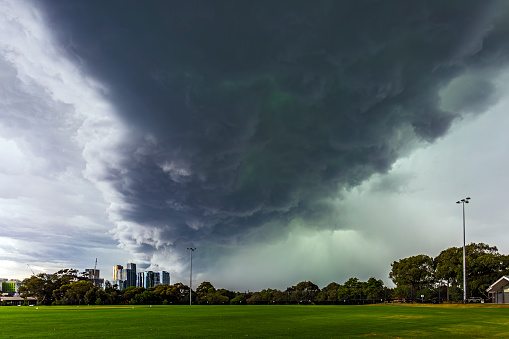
(248, 113)
(243, 118)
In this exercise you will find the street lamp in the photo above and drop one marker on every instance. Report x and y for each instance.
(191, 274)
(464, 201)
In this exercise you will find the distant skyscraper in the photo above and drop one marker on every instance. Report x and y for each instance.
(94, 275)
(130, 273)
(156, 278)
(148, 280)
(117, 272)
(164, 278)
(140, 281)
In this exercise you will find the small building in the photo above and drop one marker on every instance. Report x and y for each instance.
(18, 301)
(9, 287)
(499, 291)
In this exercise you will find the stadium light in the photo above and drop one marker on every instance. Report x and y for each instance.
(191, 275)
(463, 202)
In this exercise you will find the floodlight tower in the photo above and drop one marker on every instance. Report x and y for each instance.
(191, 249)
(463, 202)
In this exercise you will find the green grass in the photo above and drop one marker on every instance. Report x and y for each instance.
(382, 321)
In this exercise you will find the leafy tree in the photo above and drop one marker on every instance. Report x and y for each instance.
(373, 289)
(203, 291)
(257, 298)
(328, 294)
(303, 292)
(73, 293)
(268, 297)
(173, 294)
(416, 272)
(227, 293)
(42, 285)
(207, 294)
(39, 286)
(449, 268)
(146, 298)
(279, 297)
(484, 266)
(129, 293)
(239, 299)
(350, 290)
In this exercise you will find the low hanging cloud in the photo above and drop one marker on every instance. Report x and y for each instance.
(240, 118)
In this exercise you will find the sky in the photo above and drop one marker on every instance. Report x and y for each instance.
(286, 141)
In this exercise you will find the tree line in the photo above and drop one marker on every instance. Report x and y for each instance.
(438, 279)
(68, 287)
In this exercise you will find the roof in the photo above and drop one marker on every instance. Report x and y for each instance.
(16, 298)
(497, 285)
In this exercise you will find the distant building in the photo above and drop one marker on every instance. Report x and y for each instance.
(156, 279)
(149, 279)
(94, 276)
(140, 279)
(164, 278)
(499, 291)
(92, 273)
(9, 287)
(120, 284)
(118, 272)
(146, 279)
(130, 275)
(18, 301)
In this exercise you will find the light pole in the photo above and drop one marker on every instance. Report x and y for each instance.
(191, 274)
(464, 201)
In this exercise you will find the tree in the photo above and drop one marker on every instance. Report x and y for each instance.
(373, 289)
(146, 298)
(39, 286)
(484, 265)
(42, 285)
(328, 294)
(203, 291)
(415, 272)
(130, 292)
(449, 267)
(174, 294)
(239, 299)
(303, 292)
(350, 290)
(75, 293)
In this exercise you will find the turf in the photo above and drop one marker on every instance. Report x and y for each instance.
(383, 321)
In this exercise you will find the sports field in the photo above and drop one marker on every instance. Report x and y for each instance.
(384, 321)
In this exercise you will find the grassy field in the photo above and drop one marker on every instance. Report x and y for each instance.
(383, 321)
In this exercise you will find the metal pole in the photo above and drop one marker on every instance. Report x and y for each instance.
(464, 261)
(464, 201)
(191, 275)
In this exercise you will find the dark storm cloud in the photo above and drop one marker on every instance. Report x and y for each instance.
(256, 112)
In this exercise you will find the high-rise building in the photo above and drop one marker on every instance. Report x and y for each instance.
(149, 279)
(117, 272)
(146, 279)
(140, 280)
(164, 278)
(130, 275)
(94, 277)
(156, 278)
(92, 273)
